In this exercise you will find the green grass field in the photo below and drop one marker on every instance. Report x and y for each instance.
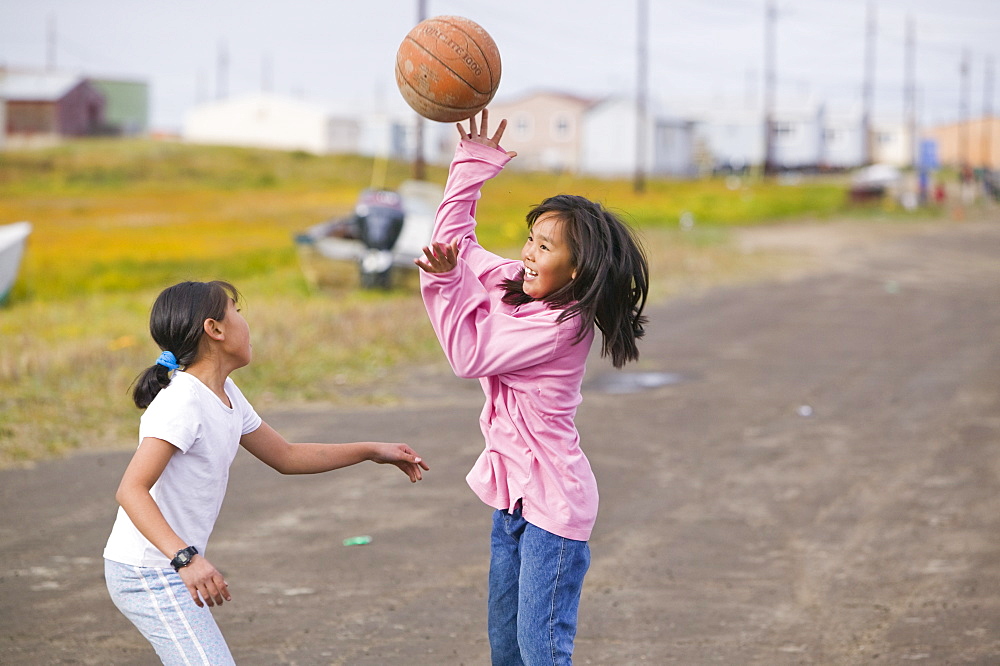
(117, 221)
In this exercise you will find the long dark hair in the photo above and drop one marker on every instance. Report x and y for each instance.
(612, 275)
(176, 323)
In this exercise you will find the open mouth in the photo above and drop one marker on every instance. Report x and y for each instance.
(530, 274)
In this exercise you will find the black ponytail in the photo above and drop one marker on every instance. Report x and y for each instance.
(176, 323)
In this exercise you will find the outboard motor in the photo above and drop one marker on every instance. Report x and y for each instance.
(379, 219)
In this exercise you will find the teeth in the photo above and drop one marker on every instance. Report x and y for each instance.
(530, 272)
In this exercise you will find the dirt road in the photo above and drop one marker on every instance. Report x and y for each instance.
(817, 481)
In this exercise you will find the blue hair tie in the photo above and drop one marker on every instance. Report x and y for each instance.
(168, 360)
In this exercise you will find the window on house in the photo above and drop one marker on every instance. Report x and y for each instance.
(523, 125)
(784, 129)
(561, 127)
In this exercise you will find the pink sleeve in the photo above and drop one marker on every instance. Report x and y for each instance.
(477, 341)
(472, 166)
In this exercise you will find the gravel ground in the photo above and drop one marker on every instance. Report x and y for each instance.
(798, 471)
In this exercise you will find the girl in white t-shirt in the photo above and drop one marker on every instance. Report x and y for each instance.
(170, 495)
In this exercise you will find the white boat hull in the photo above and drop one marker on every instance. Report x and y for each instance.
(13, 238)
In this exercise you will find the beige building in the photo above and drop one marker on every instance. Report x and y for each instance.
(976, 142)
(546, 127)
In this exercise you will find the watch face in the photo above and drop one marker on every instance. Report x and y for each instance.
(183, 558)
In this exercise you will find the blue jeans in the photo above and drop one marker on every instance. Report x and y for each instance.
(536, 579)
(160, 606)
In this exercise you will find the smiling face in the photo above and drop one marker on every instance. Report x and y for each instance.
(548, 261)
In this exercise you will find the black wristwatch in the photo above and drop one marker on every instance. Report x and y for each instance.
(183, 557)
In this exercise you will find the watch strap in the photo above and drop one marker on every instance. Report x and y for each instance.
(183, 557)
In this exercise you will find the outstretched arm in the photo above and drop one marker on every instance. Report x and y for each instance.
(477, 159)
(267, 445)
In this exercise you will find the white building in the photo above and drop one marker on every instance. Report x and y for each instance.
(732, 136)
(806, 135)
(893, 143)
(842, 144)
(609, 145)
(272, 121)
(553, 131)
(797, 138)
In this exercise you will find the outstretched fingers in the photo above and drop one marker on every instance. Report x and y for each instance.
(482, 134)
(413, 469)
(499, 133)
(439, 257)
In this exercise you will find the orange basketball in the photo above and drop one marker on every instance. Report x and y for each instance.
(448, 68)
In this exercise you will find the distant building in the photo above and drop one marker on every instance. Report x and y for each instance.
(272, 121)
(126, 106)
(733, 137)
(806, 136)
(44, 104)
(840, 144)
(40, 105)
(609, 142)
(892, 143)
(547, 128)
(798, 136)
(976, 143)
(553, 131)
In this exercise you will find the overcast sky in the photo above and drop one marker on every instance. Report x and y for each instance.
(341, 52)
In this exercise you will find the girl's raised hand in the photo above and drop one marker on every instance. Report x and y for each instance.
(402, 456)
(482, 134)
(440, 257)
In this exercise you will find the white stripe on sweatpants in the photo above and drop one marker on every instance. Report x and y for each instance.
(166, 624)
(180, 612)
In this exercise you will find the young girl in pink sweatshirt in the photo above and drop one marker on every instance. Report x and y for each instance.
(524, 329)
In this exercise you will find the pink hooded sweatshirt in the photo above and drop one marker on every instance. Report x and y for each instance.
(529, 367)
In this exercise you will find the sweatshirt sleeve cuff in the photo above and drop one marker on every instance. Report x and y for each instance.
(483, 153)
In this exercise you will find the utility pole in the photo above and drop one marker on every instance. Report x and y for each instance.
(910, 90)
(642, 86)
(987, 132)
(868, 92)
(419, 165)
(963, 115)
(769, 87)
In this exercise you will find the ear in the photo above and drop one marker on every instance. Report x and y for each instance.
(572, 276)
(214, 330)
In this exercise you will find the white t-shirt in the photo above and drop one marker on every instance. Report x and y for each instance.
(190, 491)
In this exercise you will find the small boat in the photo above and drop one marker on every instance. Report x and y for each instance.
(873, 182)
(13, 238)
(386, 232)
